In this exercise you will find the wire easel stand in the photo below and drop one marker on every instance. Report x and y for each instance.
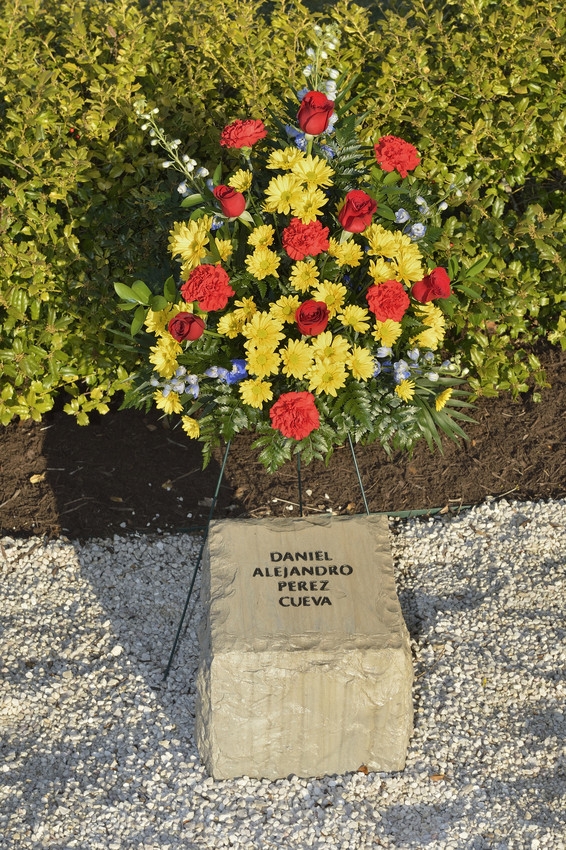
(207, 527)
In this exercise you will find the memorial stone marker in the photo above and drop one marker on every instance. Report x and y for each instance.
(305, 662)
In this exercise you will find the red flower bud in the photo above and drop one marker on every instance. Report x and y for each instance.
(314, 113)
(232, 203)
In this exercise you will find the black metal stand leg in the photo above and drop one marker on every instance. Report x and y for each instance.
(358, 474)
(199, 559)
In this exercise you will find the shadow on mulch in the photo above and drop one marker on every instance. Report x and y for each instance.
(127, 472)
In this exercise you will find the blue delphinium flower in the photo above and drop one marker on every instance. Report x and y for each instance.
(416, 231)
(401, 216)
(401, 371)
(237, 373)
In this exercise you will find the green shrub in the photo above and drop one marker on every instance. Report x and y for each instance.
(478, 87)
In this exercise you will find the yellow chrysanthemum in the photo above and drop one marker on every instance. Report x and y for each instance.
(380, 270)
(326, 377)
(224, 248)
(168, 403)
(262, 361)
(231, 324)
(382, 242)
(285, 159)
(262, 236)
(442, 398)
(296, 358)
(308, 205)
(188, 240)
(304, 275)
(163, 356)
(361, 363)
(191, 427)
(333, 295)
(433, 318)
(246, 308)
(430, 338)
(346, 253)
(334, 349)
(255, 392)
(285, 308)
(241, 180)
(263, 263)
(405, 390)
(282, 192)
(313, 171)
(387, 332)
(156, 323)
(355, 317)
(409, 266)
(263, 329)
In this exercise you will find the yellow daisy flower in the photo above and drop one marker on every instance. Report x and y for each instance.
(387, 332)
(346, 253)
(409, 267)
(361, 363)
(430, 338)
(308, 205)
(442, 398)
(191, 427)
(156, 323)
(169, 404)
(225, 248)
(263, 263)
(188, 241)
(262, 236)
(334, 349)
(313, 171)
(380, 270)
(433, 318)
(304, 275)
(246, 308)
(263, 329)
(332, 294)
(231, 324)
(285, 308)
(296, 358)
(285, 159)
(282, 192)
(255, 392)
(262, 361)
(326, 377)
(355, 317)
(241, 180)
(381, 242)
(164, 355)
(405, 390)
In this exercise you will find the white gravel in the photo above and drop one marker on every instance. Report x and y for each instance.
(97, 752)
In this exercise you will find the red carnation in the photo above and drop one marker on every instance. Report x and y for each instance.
(388, 300)
(295, 415)
(314, 113)
(186, 326)
(394, 154)
(209, 286)
(242, 134)
(232, 203)
(304, 240)
(436, 284)
(357, 212)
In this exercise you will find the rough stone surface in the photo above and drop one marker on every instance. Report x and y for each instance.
(305, 660)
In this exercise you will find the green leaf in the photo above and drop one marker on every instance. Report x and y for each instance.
(170, 290)
(158, 302)
(477, 267)
(191, 200)
(138, 320)
(142, 293)
(125, 292)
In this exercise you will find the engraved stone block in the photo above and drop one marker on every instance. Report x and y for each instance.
(305, 662)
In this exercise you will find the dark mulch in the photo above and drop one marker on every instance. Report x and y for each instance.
(127, 472)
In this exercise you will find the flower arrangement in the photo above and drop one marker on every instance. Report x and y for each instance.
(309, 306)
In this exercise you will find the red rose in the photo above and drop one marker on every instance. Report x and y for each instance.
(186, 326)
(233, 203)
(242, 134)
(357, 211)
(304, 240)
(388, 300)
(433, 285)
(295, 415)
(314, 113)
(312, 317)
(393, 153)
(209, 286)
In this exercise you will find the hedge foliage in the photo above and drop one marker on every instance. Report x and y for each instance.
(477, 86)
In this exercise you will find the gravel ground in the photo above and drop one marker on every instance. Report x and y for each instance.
(98, 752)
